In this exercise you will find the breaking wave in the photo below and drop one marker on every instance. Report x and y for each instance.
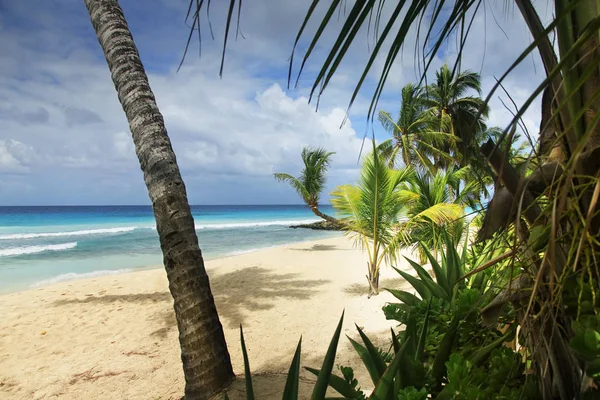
(19, 251)
(74, 276)
(14, 236)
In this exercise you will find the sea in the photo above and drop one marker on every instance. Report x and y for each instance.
(44, 245)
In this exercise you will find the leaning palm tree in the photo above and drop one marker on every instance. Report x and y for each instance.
(206, 363)
(371, 209)
(458, 114)
(312, 179)
(415, 134)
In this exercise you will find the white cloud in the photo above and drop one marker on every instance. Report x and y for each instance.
(230, 134)
(15, 156)
(124, 144)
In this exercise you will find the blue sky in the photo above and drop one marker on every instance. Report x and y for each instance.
(65, 140)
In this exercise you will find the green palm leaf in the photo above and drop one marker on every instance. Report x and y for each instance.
(312, 179)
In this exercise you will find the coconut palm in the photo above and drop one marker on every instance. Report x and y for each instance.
(415, 134)
(458, 113)
(311, 181)
(370, 209)
(433, 206)
(206, 363)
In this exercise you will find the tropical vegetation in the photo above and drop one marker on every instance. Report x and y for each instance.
(547, 214)
(370, 210)
(416, 134)
(513, 316)
(434, 205)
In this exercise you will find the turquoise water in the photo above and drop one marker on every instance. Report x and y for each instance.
(43, 245)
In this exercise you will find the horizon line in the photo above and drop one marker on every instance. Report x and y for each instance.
(146, 205)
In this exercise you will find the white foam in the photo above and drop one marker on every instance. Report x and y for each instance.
(256, 224)
(74, 276)
(13, 236)
(18, 251)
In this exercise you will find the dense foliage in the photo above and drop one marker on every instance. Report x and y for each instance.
(543, 224)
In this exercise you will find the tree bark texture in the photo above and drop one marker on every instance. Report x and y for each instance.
(206, 362)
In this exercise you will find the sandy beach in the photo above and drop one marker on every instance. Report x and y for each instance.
(115, 337)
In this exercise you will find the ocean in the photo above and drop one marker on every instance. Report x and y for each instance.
(44, 245)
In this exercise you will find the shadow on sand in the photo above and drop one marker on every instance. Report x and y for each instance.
(111, 298)
(320, 247)
(236, 294)
(362, 289)
(240, 292)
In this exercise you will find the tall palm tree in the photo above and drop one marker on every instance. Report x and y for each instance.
(312, 179)
(458, 113)
(206, 363)
(415, 135)
(371, 209)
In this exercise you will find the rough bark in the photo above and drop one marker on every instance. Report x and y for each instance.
(206, 363)
(555, 364)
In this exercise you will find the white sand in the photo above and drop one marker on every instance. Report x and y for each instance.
(115, 337)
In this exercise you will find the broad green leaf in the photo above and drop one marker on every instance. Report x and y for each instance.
(407, 298)
(368, 362)
(440, 273)
(382, 389)
(292, 383)
(428, 281)
(455, 267)
(338, 383)
(417, 284)
(247, 374)
(423, 334)
(323, 378)
(482, 354)
(398, 380)
(375, 356)
(438, 370)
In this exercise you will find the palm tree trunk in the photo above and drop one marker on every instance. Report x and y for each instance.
(373, 279)
(326, 217)
(206, 363)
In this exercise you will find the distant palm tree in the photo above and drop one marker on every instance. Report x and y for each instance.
(206, 362)
(458, 113)
(415, 134)
(371, 210)
(312, 179)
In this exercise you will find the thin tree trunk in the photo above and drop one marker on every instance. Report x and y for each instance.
(206, 363)
(373, 279)
(326, 217)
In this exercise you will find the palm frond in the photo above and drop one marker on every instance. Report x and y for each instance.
(441, 213)
(295, 184)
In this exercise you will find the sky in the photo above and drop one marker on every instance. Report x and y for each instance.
(64, 139)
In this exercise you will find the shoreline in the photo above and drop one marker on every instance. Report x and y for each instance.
(116, 336)
(44, 283)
